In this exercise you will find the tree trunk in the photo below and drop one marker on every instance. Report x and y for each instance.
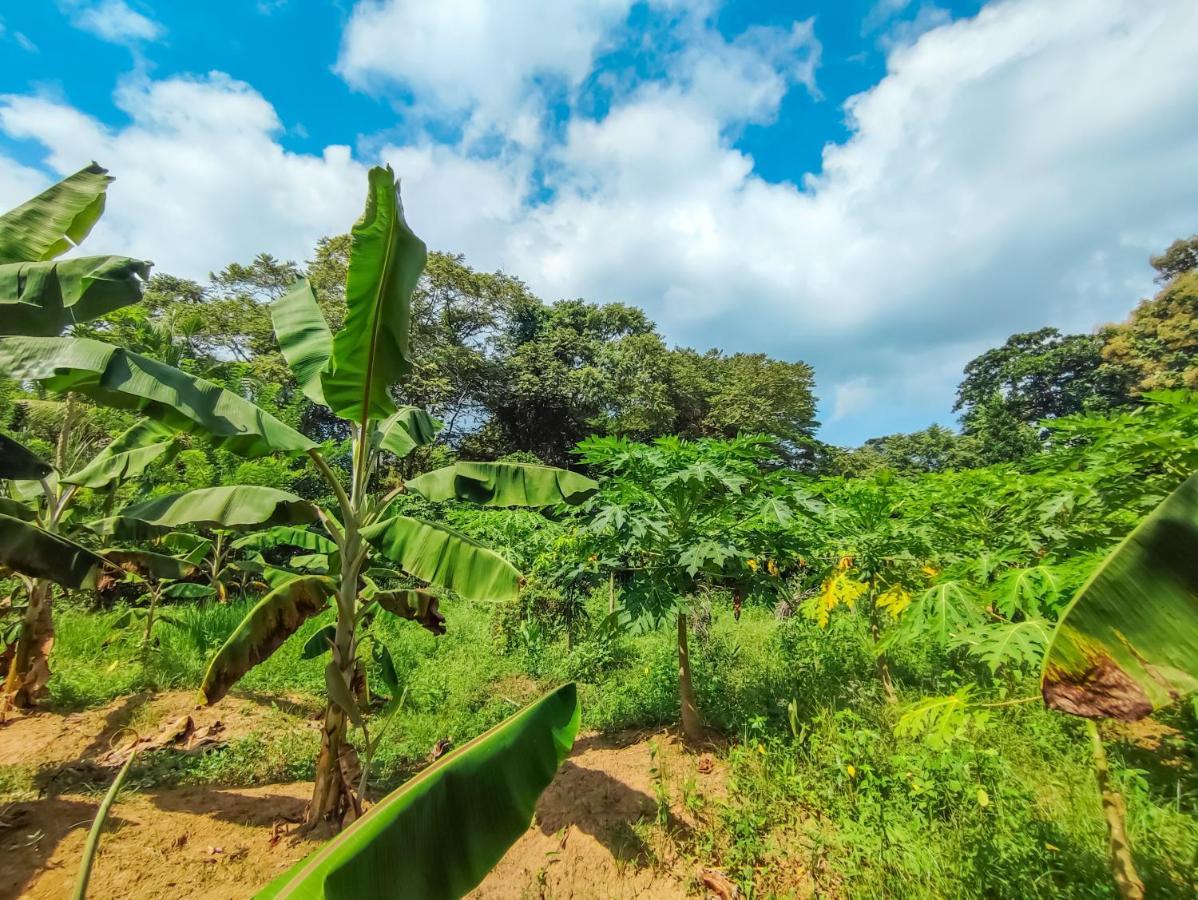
(29, 671)
(611, 592)
(692, 724)
(1122, 864)
(334, 801)
(875, 630)
(148, 636)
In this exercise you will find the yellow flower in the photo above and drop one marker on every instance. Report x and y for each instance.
(930, 570)
(852, 770)
(771, 567)
(983, 798)
(845, 563)
(752, 563)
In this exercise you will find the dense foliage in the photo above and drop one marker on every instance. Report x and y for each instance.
(866, 626)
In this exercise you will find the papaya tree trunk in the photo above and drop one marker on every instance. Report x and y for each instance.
(692, 724)
(29, 671)
(1122, 863)
(881, 662)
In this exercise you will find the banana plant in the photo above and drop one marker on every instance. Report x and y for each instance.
(352, 373)
(35, 548)
(1127, 645)
(41, 295)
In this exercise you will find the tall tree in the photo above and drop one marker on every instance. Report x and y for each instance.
(1038, 375)
(1157, 347)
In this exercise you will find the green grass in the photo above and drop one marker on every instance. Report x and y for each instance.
(1010, 812)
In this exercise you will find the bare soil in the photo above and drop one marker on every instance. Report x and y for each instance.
(600, 829)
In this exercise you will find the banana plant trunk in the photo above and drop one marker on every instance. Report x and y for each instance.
(26, 682)
(692, 724)
(334, 801)
(1123, 865)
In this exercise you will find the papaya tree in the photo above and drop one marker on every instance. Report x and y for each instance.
(676, 514)
(352, 373)
(1127, 645)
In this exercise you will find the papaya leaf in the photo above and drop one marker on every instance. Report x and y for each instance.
(27, 549)
(130, 453)
(57, 219)
(18, 463)
(125, 380)
(272, 620)
(440, 833)
(503, 484)
(439, 555)
(304, 337)
(370, 352)
(1128, 642)
(43, 298)
(228, 506)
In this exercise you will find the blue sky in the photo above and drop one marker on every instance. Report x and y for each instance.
(882, 188)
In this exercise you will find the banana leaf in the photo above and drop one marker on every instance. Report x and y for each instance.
(442, 556)
(17, 510)
(18, 463)
(415, 605)
(408, 428)
(304, 337)
(503, 484)
(42, 298)
(148, 564)
(27, 549)
(370, 352)
(191, 547)
(442, 832)
(1128, 642)
(185, 590)
(275, 617)
(129, 454)
(228, 506)
(119, 378)
(56, 220)
(285, 536)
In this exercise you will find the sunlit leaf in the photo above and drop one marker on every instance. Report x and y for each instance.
(442, 832)
(370, 352)
(1128, 643)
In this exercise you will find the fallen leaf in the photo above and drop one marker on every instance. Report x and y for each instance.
(719, 884)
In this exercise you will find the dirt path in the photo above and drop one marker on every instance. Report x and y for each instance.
(593, 835)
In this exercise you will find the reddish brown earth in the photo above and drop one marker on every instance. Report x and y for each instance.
(593, 835)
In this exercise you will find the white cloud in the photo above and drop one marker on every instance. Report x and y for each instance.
(114, 21)
(476, 58)
(200, 177)
(1010, 171)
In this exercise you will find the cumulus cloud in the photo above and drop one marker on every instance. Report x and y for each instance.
(201, 177)
(474, 58)
(1010, 171)
(114, 21)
